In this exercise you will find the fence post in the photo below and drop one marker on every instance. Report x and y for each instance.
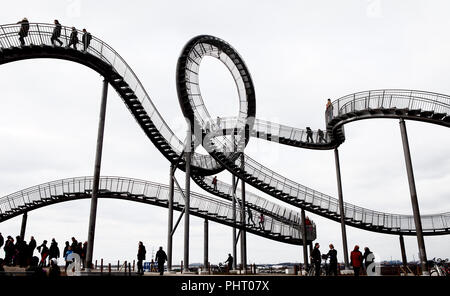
(133, 264)
(125, 267)
(129, 269)
(95, 264)
(109, 268)
(101, 266)
(118, 265)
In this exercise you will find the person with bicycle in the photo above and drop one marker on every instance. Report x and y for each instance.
(332, 254)
(316, 259)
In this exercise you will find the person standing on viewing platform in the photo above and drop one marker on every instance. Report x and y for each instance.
(31, 246)
(86, 39)
(141, 257)
(43, 250)
(356, 259)
(56, 34)
(332, 254)
(161, 258)
(24, 28)
(369, 258)
(316, 259)
(66, 254)
(73, 39)
(309, 135)
(229, 261)
(250, 216)
(83, 254)
(54, 250)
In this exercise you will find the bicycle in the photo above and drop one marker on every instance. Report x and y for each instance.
(311, 270)
(439, 268)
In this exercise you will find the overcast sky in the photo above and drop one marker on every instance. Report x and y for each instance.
(299, 54)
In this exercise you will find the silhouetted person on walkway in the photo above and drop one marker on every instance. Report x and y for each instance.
(321, 136)
(332, 254)
(21, 252)
(369, 258)
(31, 246)
(86, 39)
(261, 221)
(66, 254)
(74, 244)
(56, 34)
(9, 250)
(53, 251)
(356, 259)
(23, 32)
(316, 259)
(161, 258)
(83, 253)
(230, 262)
(73, 39)
(329, 110)
(214, 182)
(309, 135)
(54, 270)
(141, 257)
(43, 250)
(66, 247)
(250, 216)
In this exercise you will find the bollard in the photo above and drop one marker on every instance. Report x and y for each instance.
(129, 269)
(133, 264)
(118, 265)
(101, 266)
(125, 267)
(95, 264)
(295, 269)
(181, 266)
(109, 268)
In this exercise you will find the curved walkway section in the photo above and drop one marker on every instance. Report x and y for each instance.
(145, 192)
(103, 59)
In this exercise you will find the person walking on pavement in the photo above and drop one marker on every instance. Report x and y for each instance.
(73, 39)
(86, 39)
(140, 258)
(56, 34)
(316, 259)
(356, 259)
(31, 246)
(23, 32)
(309, 135)
(332, 254)
(230, 262)
(161, 258)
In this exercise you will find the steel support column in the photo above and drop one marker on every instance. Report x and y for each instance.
(24, 225)
(233, 201)
(187, 189)
(402, 247)
(205, 244)
(95, 184)
(304, 242)
(341, 207)
(243, 232)
(170, 219)
(414, 202)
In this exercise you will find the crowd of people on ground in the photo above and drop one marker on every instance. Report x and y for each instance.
(56, 34)
(19, 253)
(358, 261)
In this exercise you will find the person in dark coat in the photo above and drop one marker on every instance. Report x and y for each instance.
(316, 259)
(356, 259)
(56, 34)
(66, 248)
(86, 39)
(309, 135)
(2, 240)
(161, 258)
(35, 269)
(23, 32)
(31, 246)
(250, 216)
(53, 252)
(22, 252)
(54, 270)
(369, 258)
(230, 262)
(141, 257)
(83, 254)
(73, 39)
(9, 250)
(43, 249)
(321, 136)
(332, 254)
